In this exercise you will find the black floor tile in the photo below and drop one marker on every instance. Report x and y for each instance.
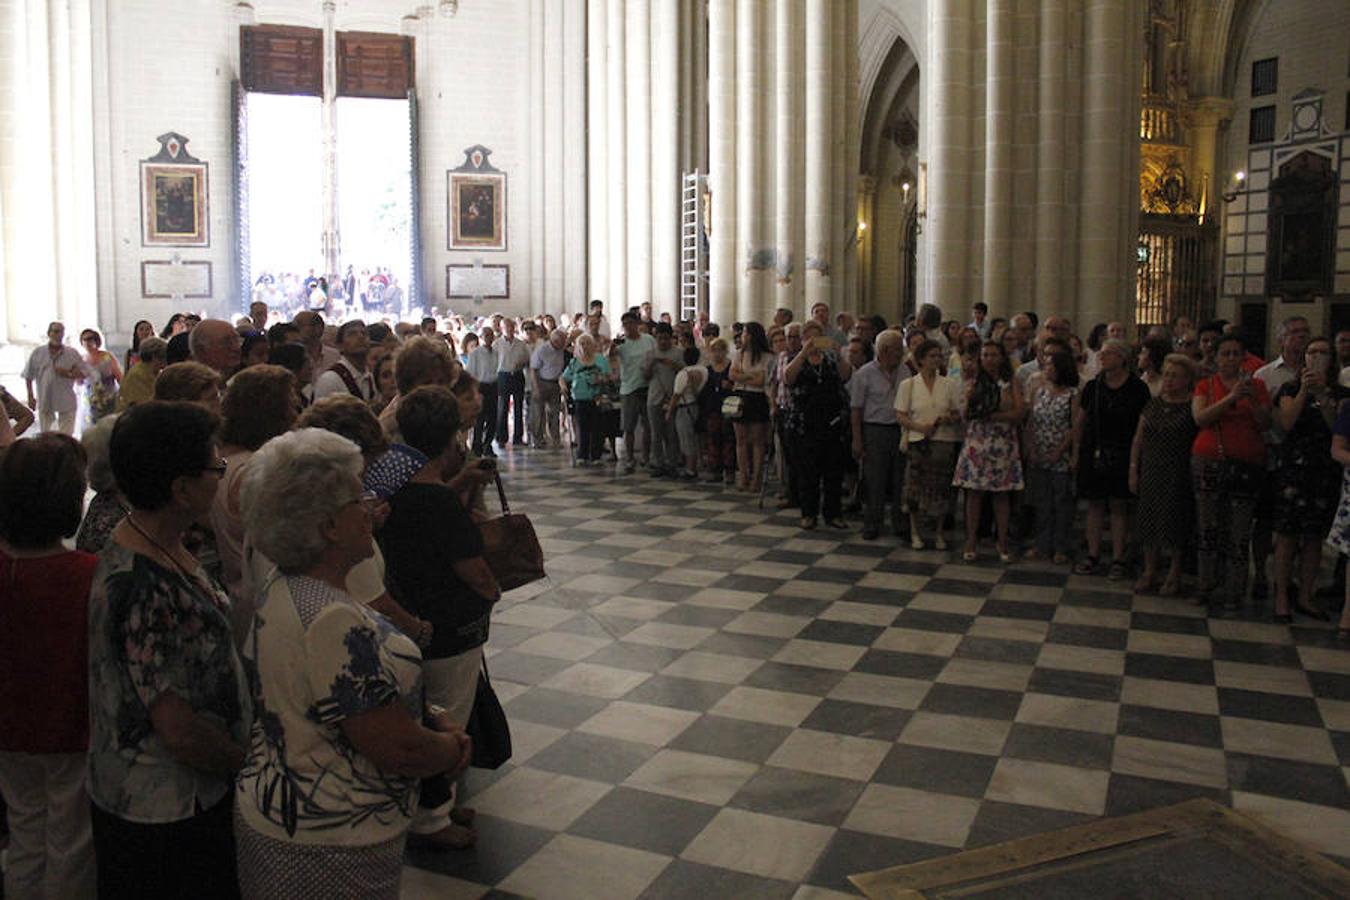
(1170, 725)
(1169, 668)
(841, 632)
(1270, 707)
(851, 852)
(961, 700)
(731, 738)
(502, 847)
(1096, 599)
(1082, 749)
(754, 646)
(943, 771)
(834, 576)
(956, 587)
(998, 650)
(1256, 654)
(637, 657)
(858, 719)
(655, 590)
(749, 583)
(644, 820)
(785, 605)
(545, 706)
(795, 679)
(525, 668)
(906, 567)
(1084, 685)
(592, 756)
(683, 879)
(1169, 624)
(1340, 742)
(1329, 685)
(703, 616)
(680, 693)
(1014, 609)
(1130, 794)
(902, 665)
(1304, 782)
(594, 624)
(1039, 579)
(997, 822)
(791, 557)
(804, 796)
(878, 596)
(927, 620)
(1088, 636)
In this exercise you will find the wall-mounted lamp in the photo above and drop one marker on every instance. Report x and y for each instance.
(449, 8)
(1237, 185)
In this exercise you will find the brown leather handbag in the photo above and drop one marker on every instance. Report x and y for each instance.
(510, 546)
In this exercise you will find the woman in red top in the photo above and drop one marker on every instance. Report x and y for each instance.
(1227, 466)
(44, 669)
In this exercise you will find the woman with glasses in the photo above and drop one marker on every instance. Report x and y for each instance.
(328, 789)
(168, 698)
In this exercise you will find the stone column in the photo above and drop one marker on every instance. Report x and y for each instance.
(542, 186)
(1099, 239)
(852, 152)
(573, 161)
(819, 152)
(722, 259)
(329, 119)
(998, 153)
(616, 298)
(948, 186)
(841, 212)
(638, 62)
(788, 169)
(1050, 159)
(1206, 116)
(665, 164)
(867, 238)
(751, 185)
(597, 154)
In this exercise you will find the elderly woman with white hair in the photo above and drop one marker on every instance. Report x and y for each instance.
(329, 785)
(107, 508)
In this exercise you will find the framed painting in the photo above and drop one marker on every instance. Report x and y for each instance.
(174, 191)
(466, 282)
(476, 200)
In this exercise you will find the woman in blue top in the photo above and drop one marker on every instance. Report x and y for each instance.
(583, 379)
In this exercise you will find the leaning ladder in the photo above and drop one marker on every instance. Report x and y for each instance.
(693, 256)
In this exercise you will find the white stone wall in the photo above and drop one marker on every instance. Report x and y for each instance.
(1309, 38)
(169, 67)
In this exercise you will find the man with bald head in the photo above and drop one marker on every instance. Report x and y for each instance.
(215, 343)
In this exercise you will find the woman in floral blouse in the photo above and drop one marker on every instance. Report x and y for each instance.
(168, 700)
(328, 790)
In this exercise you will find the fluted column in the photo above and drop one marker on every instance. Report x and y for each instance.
(1207, 114)
(597, 154)
(542, 249)
(1050, 156)
(949, 169)
(867, 214)
(819, 151)
(852, 152)
(840, 210)
(572, 295)
(638, 61)
(750, 181)
(788, 170)
(616, 298)
(998, 153)
(1099, 241)
(665, 166)
(722, 261)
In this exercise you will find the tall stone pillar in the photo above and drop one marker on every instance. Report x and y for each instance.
(1206, 116)
(573, 161)
(819, 150)
(852, 152)
(665, 165)
(722, 257)
(949, 168)
(1104, 103)
(751, 184)
(1051, 287)
(840, 211)
(616, 298)
(543, 251)
(597, 152)
(867, 238)
(638, 62)
(788, 168)
(998, 155)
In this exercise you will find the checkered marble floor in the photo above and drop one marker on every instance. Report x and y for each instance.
(707, 701)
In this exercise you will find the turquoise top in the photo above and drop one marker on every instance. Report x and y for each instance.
(580, 377)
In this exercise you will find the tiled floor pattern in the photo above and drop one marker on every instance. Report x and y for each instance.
(708, 702)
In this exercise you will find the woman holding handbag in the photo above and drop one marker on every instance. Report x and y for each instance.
(719, 439)
(990, 461)
(928, 407)
(584, 380)
(1228, 460)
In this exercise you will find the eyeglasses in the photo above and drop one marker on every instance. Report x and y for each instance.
(368, 500)
(219, 467)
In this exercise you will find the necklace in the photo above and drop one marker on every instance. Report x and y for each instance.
(182, 570)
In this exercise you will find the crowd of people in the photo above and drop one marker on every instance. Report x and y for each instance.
(268, 634)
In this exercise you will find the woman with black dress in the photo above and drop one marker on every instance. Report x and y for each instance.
(1104, 425)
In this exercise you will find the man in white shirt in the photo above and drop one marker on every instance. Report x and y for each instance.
(979, 319)
(598, 309)
(513, 356)
(482, 365)
(55, 368)
(349, 374)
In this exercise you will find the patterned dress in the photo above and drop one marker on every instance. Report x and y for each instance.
(991, 458)
(1306, 478)
(1166, 512)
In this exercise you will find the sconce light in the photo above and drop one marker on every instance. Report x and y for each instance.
(449, 8)
(1237, 185)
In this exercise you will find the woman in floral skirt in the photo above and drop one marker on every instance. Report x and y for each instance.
(990, 461)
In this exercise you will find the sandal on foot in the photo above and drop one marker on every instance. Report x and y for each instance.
(1086, 566)
(1116, 571)
(969, 555)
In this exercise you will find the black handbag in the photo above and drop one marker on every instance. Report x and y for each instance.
(487, 726)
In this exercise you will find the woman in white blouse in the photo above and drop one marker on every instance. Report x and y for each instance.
(928, 407)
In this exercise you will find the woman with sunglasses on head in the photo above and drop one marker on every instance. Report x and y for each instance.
(169, 701)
